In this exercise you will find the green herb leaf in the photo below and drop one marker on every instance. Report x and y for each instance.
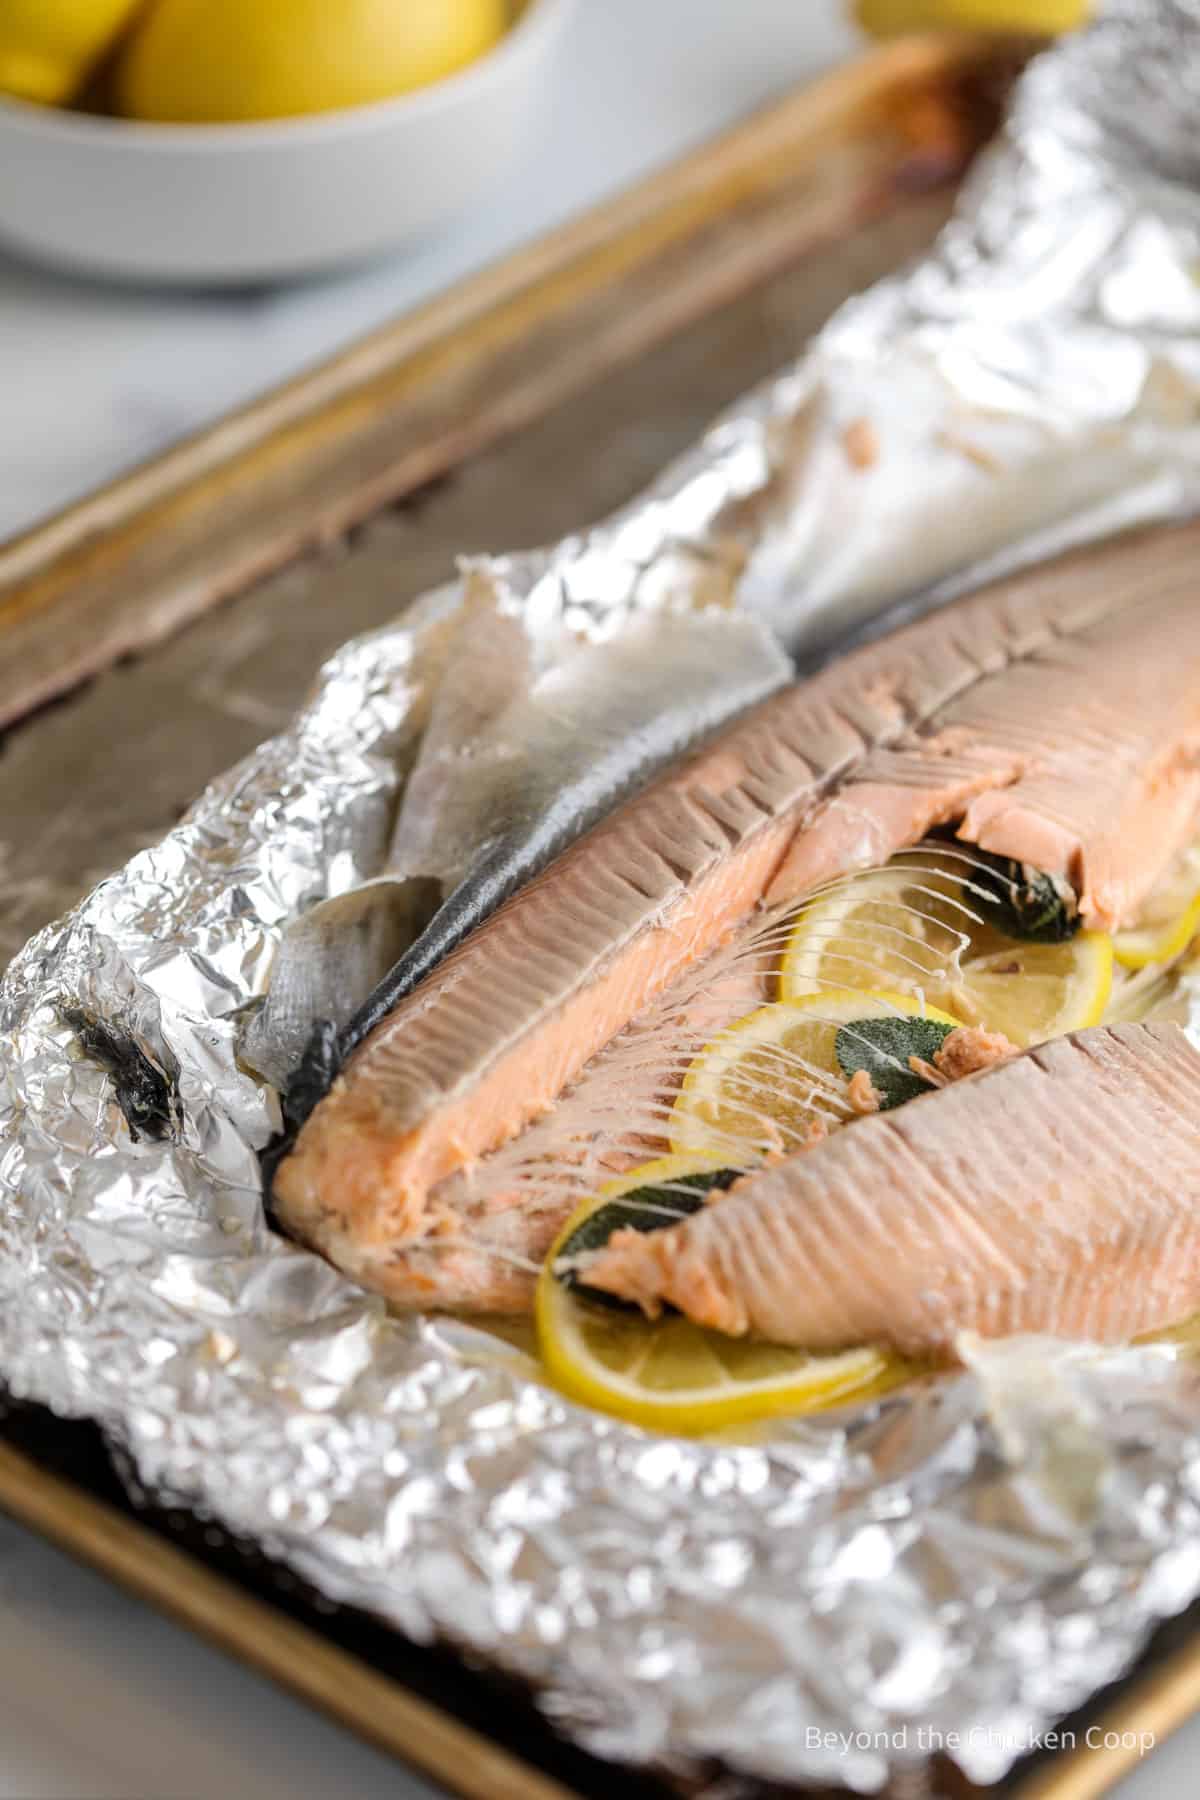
(1022, 902)
(883, 1046)
(649, 1208)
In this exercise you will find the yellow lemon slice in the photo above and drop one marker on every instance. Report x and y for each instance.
(767, 1082)
(915, 927)
(1033, 992)
(1171, 917)
(1040, 18)
(669, 1374)
(900, 927)
(1186, 1334)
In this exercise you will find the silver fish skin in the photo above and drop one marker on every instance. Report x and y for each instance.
(521, 755)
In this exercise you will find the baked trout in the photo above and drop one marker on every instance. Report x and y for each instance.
(1053, 718)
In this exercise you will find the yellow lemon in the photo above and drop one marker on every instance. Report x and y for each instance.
(766, 1081)
(668, 1374)
(1040, 18)
(207, 61)
(899, 926)
(48, 48)
(911, 927)
(1170, 918)
(1035, 992)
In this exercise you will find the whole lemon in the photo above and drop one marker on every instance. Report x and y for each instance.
(207, 61)
(48, 47)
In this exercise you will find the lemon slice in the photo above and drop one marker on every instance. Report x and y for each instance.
(913, 927)
(898, 927)
(1171, 917)
(669, 1374)
(1032, 992)
(764, 1084)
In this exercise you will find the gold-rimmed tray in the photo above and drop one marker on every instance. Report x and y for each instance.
(178, 615)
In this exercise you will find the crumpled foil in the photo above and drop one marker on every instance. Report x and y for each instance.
(828, 1600)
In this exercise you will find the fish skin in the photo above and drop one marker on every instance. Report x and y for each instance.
(487, 1228)
(518, 761)
(1056, 1193)
(328, 959)
(835, 773)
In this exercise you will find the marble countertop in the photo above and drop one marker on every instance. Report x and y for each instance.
(100, 1698)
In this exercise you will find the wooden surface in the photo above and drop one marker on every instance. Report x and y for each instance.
(160, 547)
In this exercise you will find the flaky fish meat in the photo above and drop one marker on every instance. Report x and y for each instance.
(1055, 1194)
(528, 741)
(1053, 718)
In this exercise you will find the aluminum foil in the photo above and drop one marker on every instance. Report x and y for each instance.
(951, 1569)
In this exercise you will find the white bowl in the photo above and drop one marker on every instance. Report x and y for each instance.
(226, 204)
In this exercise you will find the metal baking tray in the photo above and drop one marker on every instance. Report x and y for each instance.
(198, 594)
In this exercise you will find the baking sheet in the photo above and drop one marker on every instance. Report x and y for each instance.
(360, 746)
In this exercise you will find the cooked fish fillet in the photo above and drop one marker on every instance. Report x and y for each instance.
(489, 1226)
(1057, 1193)
(1056, 717)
